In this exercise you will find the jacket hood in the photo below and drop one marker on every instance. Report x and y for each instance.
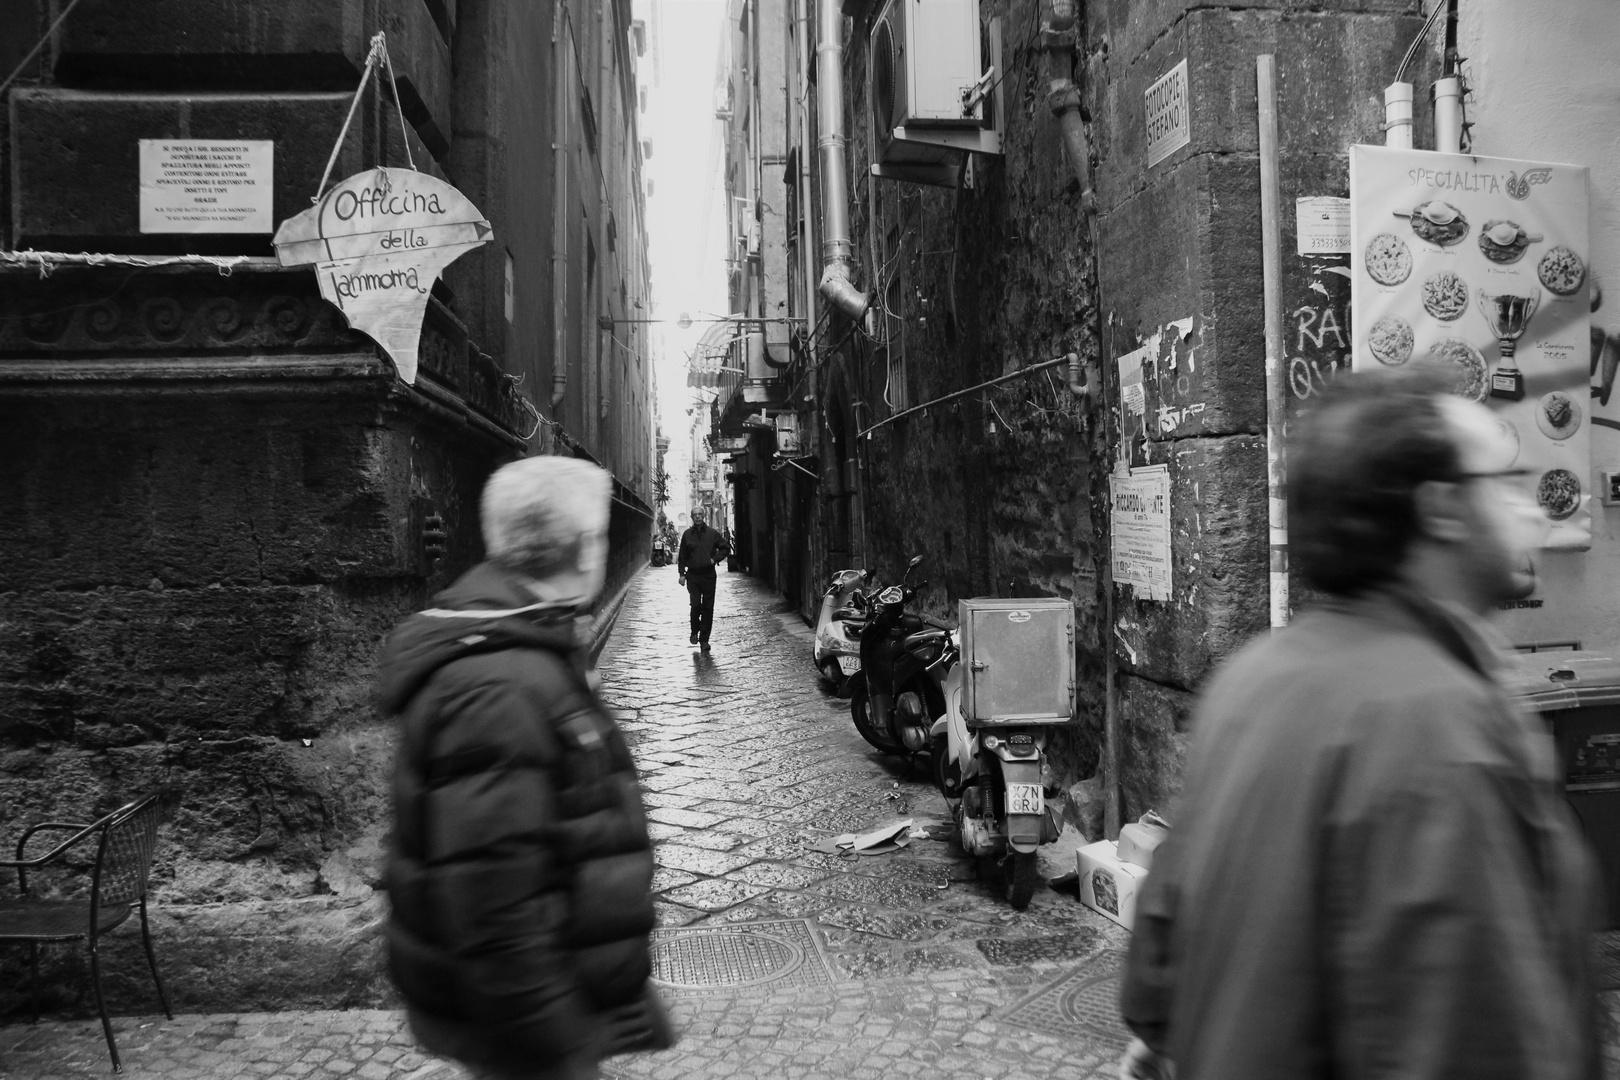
(486, 609)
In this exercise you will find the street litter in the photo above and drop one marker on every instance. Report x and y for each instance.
(879, 841)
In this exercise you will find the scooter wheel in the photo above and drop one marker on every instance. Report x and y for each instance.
(947, 775)
(860, 711)
(1020, 869)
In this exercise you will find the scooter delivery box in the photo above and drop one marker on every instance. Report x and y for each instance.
(1108, 886)
(1017, 660)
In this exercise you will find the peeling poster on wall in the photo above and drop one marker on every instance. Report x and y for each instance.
(1140, 530)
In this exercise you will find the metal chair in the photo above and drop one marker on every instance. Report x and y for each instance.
(124, 842)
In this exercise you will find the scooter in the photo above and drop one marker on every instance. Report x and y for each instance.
(898, 693)
(660, 553)
(837, 654)
(991, 774)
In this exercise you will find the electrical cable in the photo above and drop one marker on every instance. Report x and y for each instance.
(38, 45)
(1440, 8)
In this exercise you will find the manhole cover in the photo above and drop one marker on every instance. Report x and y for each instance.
(696, 959)
(1083, 1003)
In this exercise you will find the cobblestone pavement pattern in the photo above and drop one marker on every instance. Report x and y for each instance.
(779, 961)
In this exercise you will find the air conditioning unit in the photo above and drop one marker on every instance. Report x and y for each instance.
(931, 89)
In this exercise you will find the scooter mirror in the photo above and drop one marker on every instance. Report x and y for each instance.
(916, 561)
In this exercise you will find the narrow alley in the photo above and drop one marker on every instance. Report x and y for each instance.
(783, 961)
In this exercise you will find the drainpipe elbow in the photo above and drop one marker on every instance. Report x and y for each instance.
(1082, 381)
(843, 294)
(559, 390)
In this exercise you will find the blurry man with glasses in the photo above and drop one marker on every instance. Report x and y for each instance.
(1372, 870)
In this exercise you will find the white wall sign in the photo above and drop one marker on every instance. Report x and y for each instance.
(206, 185)
(1140, 527)
(1169, 127)
(1322, 225)
(379, 240)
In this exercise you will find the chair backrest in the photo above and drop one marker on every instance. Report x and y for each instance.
(124, 857)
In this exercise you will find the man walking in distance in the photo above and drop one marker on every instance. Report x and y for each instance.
(520, 869)
(1373, 871)
(701, 549)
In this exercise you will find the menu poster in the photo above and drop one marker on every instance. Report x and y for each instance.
(1480, 264)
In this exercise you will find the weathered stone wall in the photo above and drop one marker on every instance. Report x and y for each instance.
(994, 490)
(197, 592)
(1180, 270)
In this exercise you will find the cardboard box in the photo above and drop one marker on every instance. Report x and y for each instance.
(1108, 886)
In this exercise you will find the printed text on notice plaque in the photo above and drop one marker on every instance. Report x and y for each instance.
(206, 186)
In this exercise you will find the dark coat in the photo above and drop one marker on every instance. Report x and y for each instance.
(1372, 872)
(701, 548)
(520, 867)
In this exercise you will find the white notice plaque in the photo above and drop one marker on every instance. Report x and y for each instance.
(1322, 225)
(1169, 127)
(206, 186)
(1141, 530)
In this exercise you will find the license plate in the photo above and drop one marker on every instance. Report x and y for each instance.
(1025, 799)
(849, 665)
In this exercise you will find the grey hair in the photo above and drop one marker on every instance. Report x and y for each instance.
(536, 509)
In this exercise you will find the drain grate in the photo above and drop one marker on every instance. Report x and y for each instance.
(1083, 1003)
(774, 952)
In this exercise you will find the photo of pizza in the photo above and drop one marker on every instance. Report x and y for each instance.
(1472, 379)
(1104, 891)
(1559, 493)
(1445, 295)
(1558, 415)
(1391, 340)
(1504, 241)
(1438, 222)
(1562, 271)
(1389, 260)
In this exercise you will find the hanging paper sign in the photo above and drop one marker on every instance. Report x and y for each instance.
(1479, 265)
(379, 240)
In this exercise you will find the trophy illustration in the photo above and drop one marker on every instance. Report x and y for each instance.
(1508, 315)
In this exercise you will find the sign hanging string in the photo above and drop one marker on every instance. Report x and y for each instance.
(377, 55)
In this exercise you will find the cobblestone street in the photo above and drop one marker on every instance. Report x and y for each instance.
(779, 961)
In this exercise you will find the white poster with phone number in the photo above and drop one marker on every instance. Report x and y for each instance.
(1481, 265)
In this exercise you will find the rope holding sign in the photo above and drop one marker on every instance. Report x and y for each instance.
(378, 54)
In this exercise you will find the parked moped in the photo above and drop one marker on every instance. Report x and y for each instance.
(898, 693)
(1013, 685)
(837, 652)
(660, 552)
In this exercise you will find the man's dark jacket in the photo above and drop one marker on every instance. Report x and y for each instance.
(701, 548)
(520, 866)
(1373, 872)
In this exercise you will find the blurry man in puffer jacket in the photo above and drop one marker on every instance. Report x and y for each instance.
(520, 867)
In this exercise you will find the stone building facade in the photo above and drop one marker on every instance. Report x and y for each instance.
(217, 499)
(1051, 248)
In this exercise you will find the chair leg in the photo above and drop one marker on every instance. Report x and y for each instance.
(33, 979)
(151, 962)
(101, 1004)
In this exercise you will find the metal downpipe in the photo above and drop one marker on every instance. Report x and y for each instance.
(837, 283)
